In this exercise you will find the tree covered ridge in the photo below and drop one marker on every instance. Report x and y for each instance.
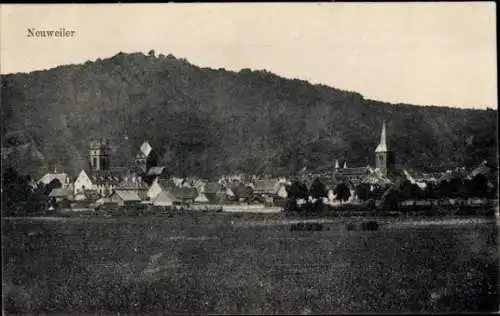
(210, 122)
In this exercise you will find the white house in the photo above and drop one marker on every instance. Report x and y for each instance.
(164, 198)
(122, 197)
(63, 178)
(201, 198)
(158, 186)
(282, 191)
(82, 182)
(102, 181)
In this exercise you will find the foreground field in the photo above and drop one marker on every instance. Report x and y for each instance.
(225, 264)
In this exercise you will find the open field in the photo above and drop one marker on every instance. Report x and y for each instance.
(229, 264)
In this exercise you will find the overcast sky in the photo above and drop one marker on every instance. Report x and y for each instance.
(418, 53)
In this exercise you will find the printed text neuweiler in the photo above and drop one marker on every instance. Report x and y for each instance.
(62, 32)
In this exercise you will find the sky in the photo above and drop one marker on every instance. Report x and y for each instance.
(441, 54)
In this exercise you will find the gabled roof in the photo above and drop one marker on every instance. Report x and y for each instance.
(201, 198)
(198, 184)
(178, 181)
(127, 195)
(164, 196)
(376, 177)
(155, 171)
(165, 183)
(483, 168)
(49, 177)
(266, 186)
(212, 187)
(59, 192)
(109, 176)
(241, 191)
(360, 171)
(184, 193)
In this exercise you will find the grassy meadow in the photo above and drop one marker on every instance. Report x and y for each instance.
(229, 264)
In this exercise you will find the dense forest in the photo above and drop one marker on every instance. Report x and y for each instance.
(209, 122)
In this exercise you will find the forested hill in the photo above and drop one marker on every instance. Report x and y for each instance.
(207, 122)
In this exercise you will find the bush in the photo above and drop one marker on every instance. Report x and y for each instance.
(365, 226)
(306, 227)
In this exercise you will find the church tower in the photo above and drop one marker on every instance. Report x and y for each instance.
(384, 158)
(99, 154)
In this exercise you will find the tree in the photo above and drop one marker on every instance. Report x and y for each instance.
(297, 190)
(17, 195)
(390, 199)
(318, 189)
(456, 188)
(444, 189)
(342, 192)
(376, 192)
(363, 191)
(430, 191)
(478, 186)
(151, 53)
(405, 191)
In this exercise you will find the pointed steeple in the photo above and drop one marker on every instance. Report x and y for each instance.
(345, 164)
(336, 164)
(382, 146)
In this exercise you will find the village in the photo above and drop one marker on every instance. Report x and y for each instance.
(144, 185)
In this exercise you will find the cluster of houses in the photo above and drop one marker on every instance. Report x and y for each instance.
(103, 185)
(144, 182)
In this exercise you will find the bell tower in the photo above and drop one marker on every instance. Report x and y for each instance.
(384, 158)
(99, 154)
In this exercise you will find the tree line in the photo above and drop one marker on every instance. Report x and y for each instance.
(455, 188)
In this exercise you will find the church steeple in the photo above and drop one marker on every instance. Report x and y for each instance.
(382, 146)
(383, 157)
(99, 154)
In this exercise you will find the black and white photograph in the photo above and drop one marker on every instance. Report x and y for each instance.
(249, 158)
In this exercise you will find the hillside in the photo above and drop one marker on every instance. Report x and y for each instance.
(207, 122)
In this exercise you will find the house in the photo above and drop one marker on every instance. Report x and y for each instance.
(184, 195)
(48, 178)
(266, 187)
(102, 181)
(91, 195)
(134, 184)
(213, 191)
(125, 197)
(282, 191)
(170, 193)
(228, 193)
(240, 192)
(201, 198)
(199, 184)
(354, 175)
(178, 181)
(99, 176)
(59, 194)
(377, 178)
(164, 198)
(485, 169)
(159, 185)
(105, 202)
